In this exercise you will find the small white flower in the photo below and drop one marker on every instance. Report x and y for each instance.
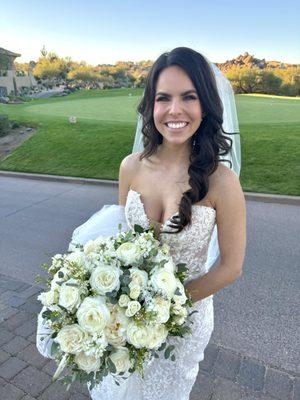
(180, 298)
(124, 300)
(49, 298)
(134, 291)
(162, 307)
(132, 308)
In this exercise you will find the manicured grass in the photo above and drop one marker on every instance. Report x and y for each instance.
(105, 129)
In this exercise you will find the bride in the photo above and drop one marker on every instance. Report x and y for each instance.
(177, 181)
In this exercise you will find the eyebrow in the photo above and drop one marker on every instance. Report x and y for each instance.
(182, 94)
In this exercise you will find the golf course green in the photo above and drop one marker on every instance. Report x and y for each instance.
(104, 132)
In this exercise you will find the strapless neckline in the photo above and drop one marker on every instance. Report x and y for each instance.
(163, 225)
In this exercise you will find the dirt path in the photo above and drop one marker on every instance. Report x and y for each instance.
(14, 139)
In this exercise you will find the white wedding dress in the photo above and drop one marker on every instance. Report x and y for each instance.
(164, 379)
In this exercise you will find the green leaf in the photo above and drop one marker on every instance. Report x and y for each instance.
(168, 351)
(54, 348)
(137, 228)
(111, 366)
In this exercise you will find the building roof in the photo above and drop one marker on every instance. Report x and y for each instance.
(9, 53)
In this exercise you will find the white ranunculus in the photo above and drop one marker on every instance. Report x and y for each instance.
(164, 281)
(137, 336)
(180, 298)
(134, 291)
(132, 308)
(115, 330)
(69, 296)
(71, 338)
(121, 359)
(56, 262)
(105, 279)
(157, 335)
(180, 313)
(129, 253)
(124, 300)
(162, 307)
(139, 277)
(87, 363)
(93, 314)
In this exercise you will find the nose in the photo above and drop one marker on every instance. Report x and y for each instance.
(175, 107)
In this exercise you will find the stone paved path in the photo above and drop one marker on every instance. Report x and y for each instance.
(26, 375)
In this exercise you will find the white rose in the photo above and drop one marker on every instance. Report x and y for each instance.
(139, 277)
(137, 336)
(71, 338)
(69, 296)
(87, 363)
(132, 308)
(157, 335)
(121, 360)
(134, 291)
(105, 279)
(164, 281)
(180, 298)
(162, 307)
(124, 300)
(49, 298)
(93, 314)
(129, 253)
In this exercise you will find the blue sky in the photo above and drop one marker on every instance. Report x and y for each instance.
(111, 30)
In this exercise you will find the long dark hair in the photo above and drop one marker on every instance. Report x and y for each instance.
(208, 141)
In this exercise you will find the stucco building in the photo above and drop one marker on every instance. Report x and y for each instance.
(10, 80)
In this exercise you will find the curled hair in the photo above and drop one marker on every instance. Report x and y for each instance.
(208, 141)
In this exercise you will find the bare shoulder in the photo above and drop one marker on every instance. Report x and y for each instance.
(128, 168)
(225, 183)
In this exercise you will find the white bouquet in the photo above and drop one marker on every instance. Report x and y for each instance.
(112, 304)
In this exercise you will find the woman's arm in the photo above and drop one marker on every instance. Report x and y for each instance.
(231, 222)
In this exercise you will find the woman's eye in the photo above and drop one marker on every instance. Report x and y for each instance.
(189, 97)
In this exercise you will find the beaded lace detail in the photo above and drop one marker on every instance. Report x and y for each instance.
(166, 379)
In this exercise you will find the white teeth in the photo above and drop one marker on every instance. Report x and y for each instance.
(176, 125)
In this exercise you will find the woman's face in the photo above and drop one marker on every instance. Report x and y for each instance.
(177, 110)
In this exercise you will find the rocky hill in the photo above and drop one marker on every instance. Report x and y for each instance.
(248, 60)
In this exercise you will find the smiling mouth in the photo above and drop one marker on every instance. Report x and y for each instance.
(176, 125)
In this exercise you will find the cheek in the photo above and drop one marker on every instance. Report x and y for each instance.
(158, 113)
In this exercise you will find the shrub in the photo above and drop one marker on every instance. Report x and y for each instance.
(4, 125)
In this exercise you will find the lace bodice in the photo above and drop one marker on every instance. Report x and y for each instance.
(189, 245)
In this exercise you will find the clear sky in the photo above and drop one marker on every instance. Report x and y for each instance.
(99, 31)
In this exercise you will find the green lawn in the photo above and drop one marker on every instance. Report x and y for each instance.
(105, 129)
